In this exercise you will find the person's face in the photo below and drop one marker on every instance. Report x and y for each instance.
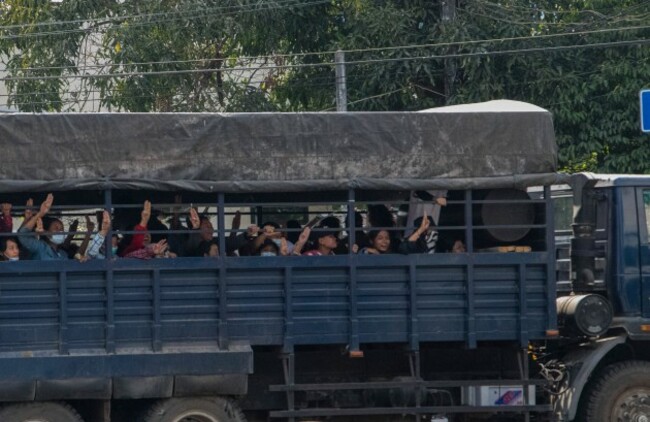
(382, 241)
(214, 250)
(459, 247)
(55, 227)
(12, 250)
(328, 241)
(207, 230)
(147, 239)
(114, 241)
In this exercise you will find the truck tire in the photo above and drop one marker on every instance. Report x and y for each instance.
(39, 412)
(198, 409)
(621, 393)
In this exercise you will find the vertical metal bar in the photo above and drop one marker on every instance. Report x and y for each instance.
(108, 206)
(288, 311)
(259, 215)
(551, 282)
(523, 307)
(223, 286)
(341, 88)
(110, 312)
(110, 282)
(156, 332)
(354, 318)
(352, 265)
(289, 368)
(63, 313)
(414, 327)
(221, 224)
(525, 377)
(469, 238)
(352, 229)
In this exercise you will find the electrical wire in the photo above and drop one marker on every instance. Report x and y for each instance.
(636, 42)
(357, 50)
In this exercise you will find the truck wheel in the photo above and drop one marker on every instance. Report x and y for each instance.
(203, 409)
(39, 412)
(621, 393)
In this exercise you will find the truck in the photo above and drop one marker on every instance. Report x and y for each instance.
(544, 316)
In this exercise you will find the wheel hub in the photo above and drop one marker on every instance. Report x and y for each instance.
(633, 406)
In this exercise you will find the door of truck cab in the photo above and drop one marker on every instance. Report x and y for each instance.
(643, 213)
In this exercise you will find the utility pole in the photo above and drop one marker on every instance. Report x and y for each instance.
(341, 89)
(448, 15)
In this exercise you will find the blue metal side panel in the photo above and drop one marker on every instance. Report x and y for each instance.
(383, 303)
(496, 302)
(133, 298)
(29, 311)
(255, 300)
(303, 300)
(442, 304)
(86, 301)
(189, 305)
(320, 305)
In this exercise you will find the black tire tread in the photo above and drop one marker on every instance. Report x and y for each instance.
(234, 411)
(610, 374)
(5, 411)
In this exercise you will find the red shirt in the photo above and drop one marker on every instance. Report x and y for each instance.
(138, 240)
(6, 224)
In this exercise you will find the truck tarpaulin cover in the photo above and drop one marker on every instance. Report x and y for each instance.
(493, 144)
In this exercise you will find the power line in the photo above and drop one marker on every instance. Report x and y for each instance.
(351, 51)
(351, 63)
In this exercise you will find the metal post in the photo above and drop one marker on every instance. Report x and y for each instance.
(448, 15)
(341, 89)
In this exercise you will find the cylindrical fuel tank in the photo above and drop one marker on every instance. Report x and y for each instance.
(583, 315)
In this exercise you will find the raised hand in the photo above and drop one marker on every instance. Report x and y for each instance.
(194, 218)
(145, 214)
(90, 226)
(46, 205)
(160, 247)
(106, 222)
(236, 221)
(304, 235)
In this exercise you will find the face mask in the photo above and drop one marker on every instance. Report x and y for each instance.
(277, 242)
(267, 253)
(114, 249)
(57, 239)
(14, 258)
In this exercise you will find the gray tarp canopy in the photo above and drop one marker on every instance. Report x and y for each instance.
(493, 144)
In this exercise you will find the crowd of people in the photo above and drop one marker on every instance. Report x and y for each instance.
(43, 236)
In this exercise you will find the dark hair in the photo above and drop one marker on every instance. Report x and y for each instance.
(331, 222)
(293, 236)
(204, 247)
(372, 234)
(48, 221)
(5, 240)
(269, 242)
(418, 221)
(272, 224)
(380, 216)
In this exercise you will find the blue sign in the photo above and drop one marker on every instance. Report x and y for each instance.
(645, 110)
